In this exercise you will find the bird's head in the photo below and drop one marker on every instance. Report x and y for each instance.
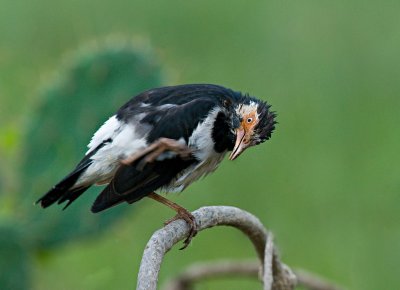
(256, 124)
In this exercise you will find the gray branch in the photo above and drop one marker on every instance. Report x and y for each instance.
(275, 275)
(229, 268)
(207, 270)
(314, 282)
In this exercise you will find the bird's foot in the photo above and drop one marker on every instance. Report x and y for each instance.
(190, 219)
(181, 213)
(160, 146)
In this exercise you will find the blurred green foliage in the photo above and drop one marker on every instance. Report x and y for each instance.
(76, 104)
(86, 88)
(15, 257)
(327, 183)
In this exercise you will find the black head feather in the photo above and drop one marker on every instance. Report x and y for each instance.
(266, 124)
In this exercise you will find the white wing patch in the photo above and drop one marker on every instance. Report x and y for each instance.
(107, 130)
(125, 141)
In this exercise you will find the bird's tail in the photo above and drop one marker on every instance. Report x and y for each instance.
(65, 190)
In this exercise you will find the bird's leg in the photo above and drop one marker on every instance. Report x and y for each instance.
(182, 213)
(156, 149)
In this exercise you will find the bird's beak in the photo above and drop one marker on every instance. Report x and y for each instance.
(240, 144)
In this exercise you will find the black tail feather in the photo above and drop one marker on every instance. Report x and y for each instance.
(71, 196)
(62, 191)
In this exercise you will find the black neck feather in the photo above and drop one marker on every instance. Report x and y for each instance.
(222, 136)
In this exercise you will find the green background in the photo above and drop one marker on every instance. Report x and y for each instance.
(327, 183)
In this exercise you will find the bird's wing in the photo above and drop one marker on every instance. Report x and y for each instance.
(131, 184)
(178, 121)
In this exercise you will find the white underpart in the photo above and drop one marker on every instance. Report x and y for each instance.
(125, 142)
(201, 139)
(203, 145)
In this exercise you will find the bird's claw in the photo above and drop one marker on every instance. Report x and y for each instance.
(190, 219)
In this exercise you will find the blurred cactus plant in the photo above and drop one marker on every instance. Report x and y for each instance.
(88, 89)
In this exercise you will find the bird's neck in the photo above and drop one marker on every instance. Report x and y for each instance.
(221, 133)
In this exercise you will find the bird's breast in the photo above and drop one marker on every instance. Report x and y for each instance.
(201, 140)
(195, 172)
(203, 146)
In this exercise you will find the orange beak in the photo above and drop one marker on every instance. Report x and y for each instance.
(242, 142)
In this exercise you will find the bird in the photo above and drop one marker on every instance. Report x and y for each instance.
(163, 140)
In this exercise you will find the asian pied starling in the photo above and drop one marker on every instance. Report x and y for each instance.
(164, 139)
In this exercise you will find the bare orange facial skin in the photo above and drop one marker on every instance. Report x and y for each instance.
(248, 123)
(244, 133)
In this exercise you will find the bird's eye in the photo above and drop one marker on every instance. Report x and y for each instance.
(249, 120)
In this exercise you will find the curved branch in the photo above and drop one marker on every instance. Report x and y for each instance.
(231, 268)
(207, 217)
(314, 282)
(208, 270)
